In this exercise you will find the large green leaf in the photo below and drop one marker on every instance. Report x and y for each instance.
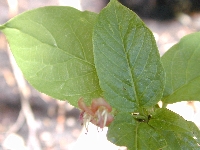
(127, 60)
(181, 64)
(126, 131)
(53, 48)
(175, 130)
(165, 130)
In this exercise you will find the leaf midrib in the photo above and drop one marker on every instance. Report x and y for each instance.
(129, 70)
(51, 45)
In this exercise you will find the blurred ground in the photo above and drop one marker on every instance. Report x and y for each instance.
(57, 122)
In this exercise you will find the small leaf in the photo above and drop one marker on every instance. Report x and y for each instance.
(127, 60)
(125, 131)
(170, 123)
(53, 48)
(181, 64)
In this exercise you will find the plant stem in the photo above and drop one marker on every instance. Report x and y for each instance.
(164, 105)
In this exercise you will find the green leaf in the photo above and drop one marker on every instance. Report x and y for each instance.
(181, 64)
(53, 48)
(126, 59)
(125, 131)
(175, 129)
(167, 120)
(179, 141)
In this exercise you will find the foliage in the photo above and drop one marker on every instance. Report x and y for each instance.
(181, 65)
(69, 54)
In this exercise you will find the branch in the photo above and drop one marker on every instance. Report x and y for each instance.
(24, 91)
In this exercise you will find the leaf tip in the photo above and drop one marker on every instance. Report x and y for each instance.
(114, 1)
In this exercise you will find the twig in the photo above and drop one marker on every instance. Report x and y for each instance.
(24, 91)
(18, 124)
(33, 142)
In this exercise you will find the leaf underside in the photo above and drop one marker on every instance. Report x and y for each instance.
(53, 48)
(181, 64)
